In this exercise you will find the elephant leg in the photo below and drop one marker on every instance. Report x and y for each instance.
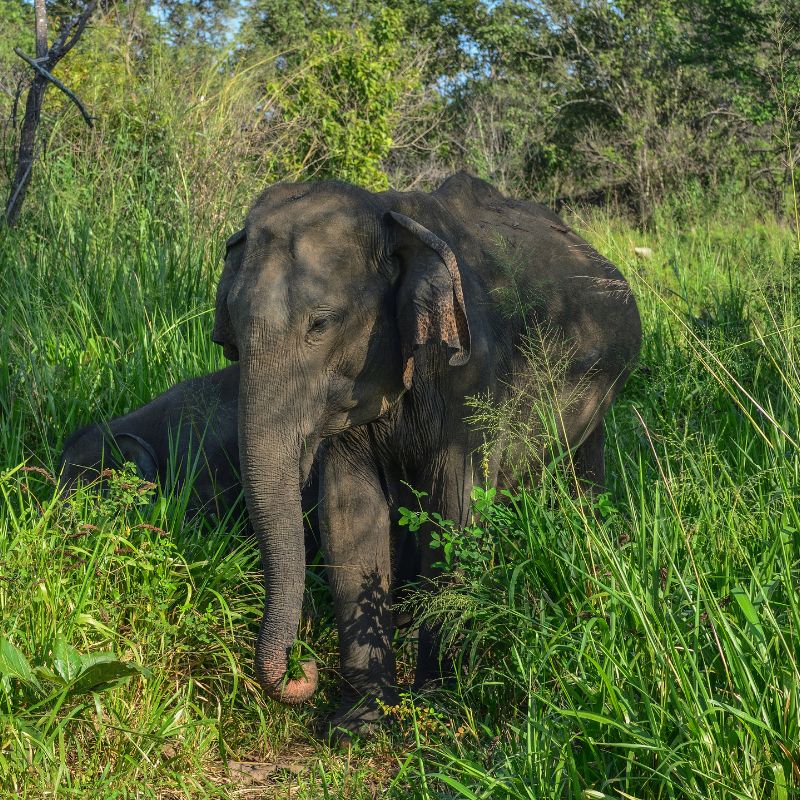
(405, 571)
(589, 462)
(449, 493)
(354, 517)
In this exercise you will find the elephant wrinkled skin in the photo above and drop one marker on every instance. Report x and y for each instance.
(189, 431)
(362, 322)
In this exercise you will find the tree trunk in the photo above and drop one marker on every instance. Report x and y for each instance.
(27, 149)
(46, 59)
(30, 123)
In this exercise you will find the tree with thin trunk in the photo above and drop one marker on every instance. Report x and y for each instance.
(42, 65)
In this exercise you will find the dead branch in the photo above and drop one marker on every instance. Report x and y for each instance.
(70, 35)
(46, 59)
(57, 83)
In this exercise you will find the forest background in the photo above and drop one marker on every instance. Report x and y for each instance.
(627, 103)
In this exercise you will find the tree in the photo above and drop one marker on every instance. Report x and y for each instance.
(188, 22)
(344, 91)
(42, 65)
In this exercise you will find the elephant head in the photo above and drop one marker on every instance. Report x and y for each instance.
(326, 295)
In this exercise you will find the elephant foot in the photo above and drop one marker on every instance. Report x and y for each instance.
(351, 722)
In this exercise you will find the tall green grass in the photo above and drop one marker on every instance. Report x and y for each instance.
(646, 648)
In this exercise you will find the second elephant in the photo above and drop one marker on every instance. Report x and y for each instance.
(187, 435)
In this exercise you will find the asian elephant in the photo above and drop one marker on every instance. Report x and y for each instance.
(362, 323)
(190, 432)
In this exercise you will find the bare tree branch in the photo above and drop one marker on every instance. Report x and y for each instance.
(63, 45)
(45, 61)
(57, 83)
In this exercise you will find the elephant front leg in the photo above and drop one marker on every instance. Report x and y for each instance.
(449, 486)
(354, 517)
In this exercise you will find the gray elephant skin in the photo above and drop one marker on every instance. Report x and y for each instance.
(188, 432)
(362, 323)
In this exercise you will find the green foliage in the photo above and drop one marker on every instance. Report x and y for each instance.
(15, 30)
(189, 23)
(99, 573)
(344, 86)
(288, 25)
(66, 669)
(562, 99)
(468, 550)
(667, 670)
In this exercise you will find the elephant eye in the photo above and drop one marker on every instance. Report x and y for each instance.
(318, 324)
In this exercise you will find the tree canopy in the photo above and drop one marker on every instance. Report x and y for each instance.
(580, 100)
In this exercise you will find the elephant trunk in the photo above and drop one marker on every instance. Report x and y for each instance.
(270, 452)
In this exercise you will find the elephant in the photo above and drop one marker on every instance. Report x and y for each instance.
(363, 322)
(188, 431)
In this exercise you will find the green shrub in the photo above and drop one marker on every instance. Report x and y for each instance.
(344, 93)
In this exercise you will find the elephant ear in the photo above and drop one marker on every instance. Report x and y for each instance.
(223, 330)
(134, 448)
(430, 300)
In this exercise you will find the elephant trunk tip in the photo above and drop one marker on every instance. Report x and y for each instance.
(289, 691)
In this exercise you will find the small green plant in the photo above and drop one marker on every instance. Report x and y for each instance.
(469, 549)
(62, 673)
(420, 722)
